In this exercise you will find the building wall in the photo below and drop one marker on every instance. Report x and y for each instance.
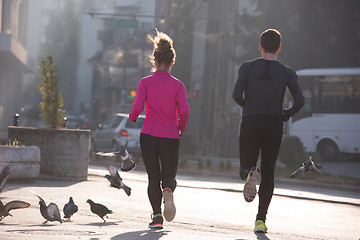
(90, 44)
(10, 94)
(114, 36)
(14, 61)
(212, 76)
(196, 91)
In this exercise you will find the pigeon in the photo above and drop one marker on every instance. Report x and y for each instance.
(69, 209)
(5, 209)
(99, 209)
(116, 181)
(122, 152)
(4, 176)
(307, 166)
(128, 163)
(50, 212)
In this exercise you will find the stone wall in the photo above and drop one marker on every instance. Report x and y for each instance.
(24, 161)
(64, 152)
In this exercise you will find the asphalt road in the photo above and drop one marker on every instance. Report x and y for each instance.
(207, 208)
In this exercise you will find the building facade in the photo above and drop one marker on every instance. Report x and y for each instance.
(15, 61)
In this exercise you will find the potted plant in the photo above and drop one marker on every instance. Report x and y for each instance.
(52, 101)
(64, 152)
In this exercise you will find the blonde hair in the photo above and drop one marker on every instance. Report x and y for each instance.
(163, 51)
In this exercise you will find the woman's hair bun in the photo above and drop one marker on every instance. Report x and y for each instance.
(163, 45)
(163, 51)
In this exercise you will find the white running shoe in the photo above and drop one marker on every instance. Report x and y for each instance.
(169, 206)
(250, 184)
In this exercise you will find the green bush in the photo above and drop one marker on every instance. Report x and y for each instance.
(9, 143)
(292, 151)
(52, 101)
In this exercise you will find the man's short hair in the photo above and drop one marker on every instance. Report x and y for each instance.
(270, 40)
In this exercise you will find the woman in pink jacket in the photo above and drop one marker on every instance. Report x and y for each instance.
(167, 112)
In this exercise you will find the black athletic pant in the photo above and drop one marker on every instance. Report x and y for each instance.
(261, 132)
(161, 157)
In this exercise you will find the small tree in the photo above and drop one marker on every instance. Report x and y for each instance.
(52, 101)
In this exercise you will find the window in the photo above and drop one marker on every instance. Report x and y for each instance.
(107, 122)
(138, 124)
(117, 121)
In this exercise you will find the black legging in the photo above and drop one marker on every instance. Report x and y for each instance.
(161, 157)
(261, 132)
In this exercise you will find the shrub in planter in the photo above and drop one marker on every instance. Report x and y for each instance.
(64, 153)
(291, 151)
(52, 101)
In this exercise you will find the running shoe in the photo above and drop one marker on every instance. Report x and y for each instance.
(169, 206)
(250, 184)
(260, 226)
(157, 222)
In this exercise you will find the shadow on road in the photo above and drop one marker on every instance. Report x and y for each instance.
(14, 184)
(101, 224)
(261, 236)
(141, 235)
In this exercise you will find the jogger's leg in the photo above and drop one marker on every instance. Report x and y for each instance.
(269, 152)
(169, 156)
(249, 146)
(150, 155)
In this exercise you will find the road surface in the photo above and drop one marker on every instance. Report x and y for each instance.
(206, 209)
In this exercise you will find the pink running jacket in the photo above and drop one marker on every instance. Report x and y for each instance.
(165, 99)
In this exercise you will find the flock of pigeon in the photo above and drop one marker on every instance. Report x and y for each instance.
(51, 212)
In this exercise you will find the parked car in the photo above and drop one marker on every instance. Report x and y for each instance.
(116, 130)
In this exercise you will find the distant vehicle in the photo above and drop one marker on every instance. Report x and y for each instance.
(329, 122)
(72, 122)
(81, 122)
(115, 131)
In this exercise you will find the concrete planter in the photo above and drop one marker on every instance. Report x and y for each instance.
(64, 152)
(24, 161)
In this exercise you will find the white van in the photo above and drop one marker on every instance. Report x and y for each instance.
(329, 122)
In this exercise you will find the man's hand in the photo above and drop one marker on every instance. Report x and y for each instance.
(286, 114)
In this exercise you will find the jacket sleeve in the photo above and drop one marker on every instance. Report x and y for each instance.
(240, 85)
(138, 104)
(296, 92)
(183, 108)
